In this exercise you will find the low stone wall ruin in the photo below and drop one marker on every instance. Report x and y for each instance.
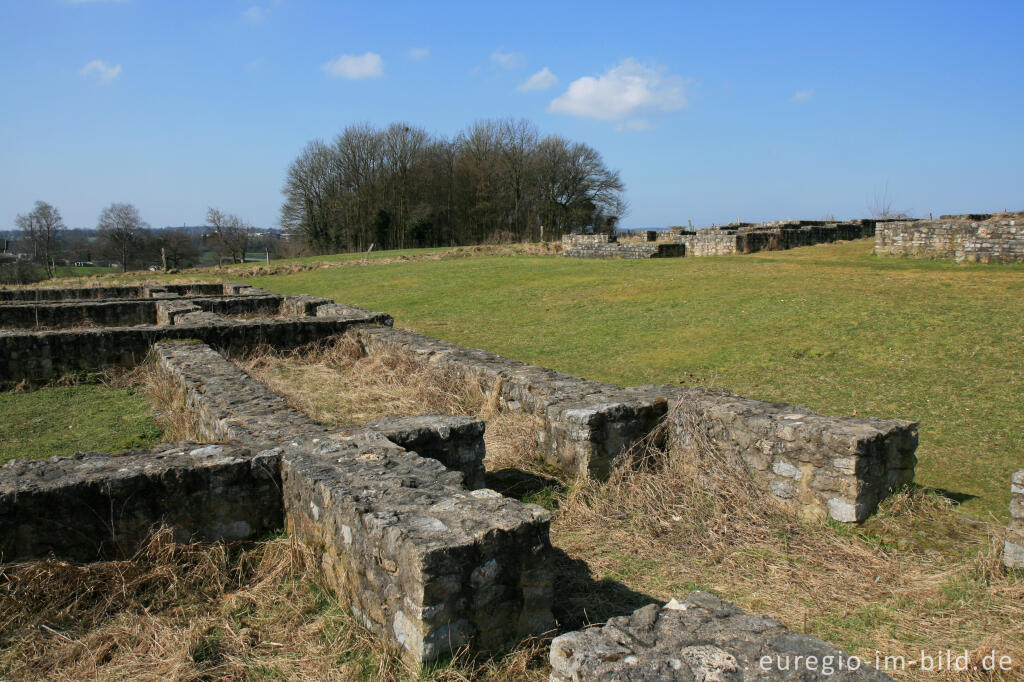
(133, 291)
(607, 246)
(965, 239)
(102, 506)
(699, 638)
(129, 312)
(1013, 550)
(840, 467)
(772, 236)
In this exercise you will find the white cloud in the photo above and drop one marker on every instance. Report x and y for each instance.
(637, 125)
(623, 90)
(507, 60)
(541, 80)
(802, 95)
(419, 52)
(367, 65)
(256, 14)
(102, 71)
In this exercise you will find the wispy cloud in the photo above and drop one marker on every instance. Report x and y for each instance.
(802, 95)
(419, 52)
(636, 125)
(101, 71)
(257, 14)
(368, 65)
(542, 80)
(623, 91)
(507, 60)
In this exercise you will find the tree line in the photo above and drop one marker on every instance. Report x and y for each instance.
(401, 187)
(123, 237)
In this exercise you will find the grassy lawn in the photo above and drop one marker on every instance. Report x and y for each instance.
(830, 327)
(59, 421)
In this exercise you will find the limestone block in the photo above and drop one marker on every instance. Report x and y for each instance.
(699, 638)
(98, 505)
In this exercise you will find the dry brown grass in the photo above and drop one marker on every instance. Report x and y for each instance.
(201, 612)
(334, 383)
(668, 521)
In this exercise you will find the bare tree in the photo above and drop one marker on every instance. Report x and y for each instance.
(42, 226)
(881, 207)
(121, 229)
(230, 232)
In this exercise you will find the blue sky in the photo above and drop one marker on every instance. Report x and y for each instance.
(711, 111)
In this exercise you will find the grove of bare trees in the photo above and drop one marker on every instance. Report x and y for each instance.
(42, 227)
(401, 187)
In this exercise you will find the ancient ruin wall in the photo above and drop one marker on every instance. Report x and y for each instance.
(1013, 550)
(699, 638)
(231, 405)
(992, 240)
(97, 505)
(128, 312)
(607, 246)
(39, 357)
(840, 467)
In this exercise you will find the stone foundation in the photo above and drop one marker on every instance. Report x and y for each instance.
(129, 312)
(138, 291)
(771, 236)
(966, 238)
(94, 505)
(421, 561)
(231, 405)
(1013, 550)
(39, 357)
(819, 466)
(699, 638)
(607, 246)
(841, 467)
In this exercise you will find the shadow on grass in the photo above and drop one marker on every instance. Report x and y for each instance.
(581, 600)
(955, 497)
(519, 484)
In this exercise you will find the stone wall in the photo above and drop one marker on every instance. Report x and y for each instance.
(771, 236)
(699, 638)
(420, 560)
(608, 246)
(231, 405)
(971, 239)
(129, 312)
(1013, 550)
(840, 467)
(102, 506)
(42, 356)
(137, 291)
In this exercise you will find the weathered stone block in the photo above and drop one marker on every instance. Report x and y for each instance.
(819, 465)
(98, 505)
(422, 561)
(699, 638)
(1013, 549)
(456, 442)
(303, 305)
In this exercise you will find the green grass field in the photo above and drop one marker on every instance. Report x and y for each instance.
(831, 327)
(59, 421)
